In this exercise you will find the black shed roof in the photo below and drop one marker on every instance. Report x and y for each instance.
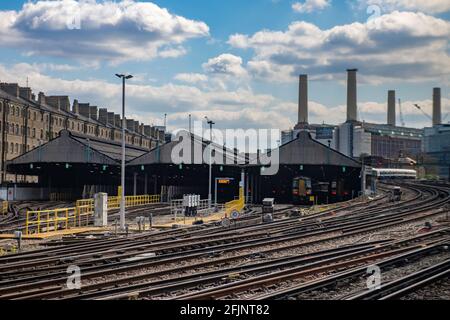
(306, 151)
(163, 154)
(74, 148)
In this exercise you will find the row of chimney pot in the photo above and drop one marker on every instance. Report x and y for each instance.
(85, 109)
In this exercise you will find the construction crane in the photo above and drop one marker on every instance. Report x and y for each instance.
(426, 114)
(402, 120)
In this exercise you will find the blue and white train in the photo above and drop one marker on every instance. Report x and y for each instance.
(387, 174)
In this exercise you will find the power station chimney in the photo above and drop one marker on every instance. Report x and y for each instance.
(351, 95)
(437, 117)
(391, 108)
(303, 99)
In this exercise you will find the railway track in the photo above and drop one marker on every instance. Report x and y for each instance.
(15, 220)
(168, 264)
(407, 284)
(355, 280)
(250, 288)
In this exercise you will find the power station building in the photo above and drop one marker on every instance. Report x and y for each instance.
(436, 146)
(356, 138)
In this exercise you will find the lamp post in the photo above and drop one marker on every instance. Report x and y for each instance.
(122, 174)
(211, 123)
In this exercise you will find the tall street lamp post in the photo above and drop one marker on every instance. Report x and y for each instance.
(211, 123)
(122, 174)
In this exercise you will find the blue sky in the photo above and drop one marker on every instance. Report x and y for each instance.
(235, 60)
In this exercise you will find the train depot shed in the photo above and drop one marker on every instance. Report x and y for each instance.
(73, 166)
(331, 175)
(189, 173)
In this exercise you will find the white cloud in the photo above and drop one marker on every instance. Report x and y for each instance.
(403, 46)
(152, 101)
(239, 108)
(427, 6)
(309, 6)
(225, 64)
(191, 77)
(91, 30)
(172, 52)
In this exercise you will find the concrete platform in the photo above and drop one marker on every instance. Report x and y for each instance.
(59, 233)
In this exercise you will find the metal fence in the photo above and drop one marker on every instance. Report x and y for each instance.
(4, 207)
(177, 208)
(81, 215)
(50, 220)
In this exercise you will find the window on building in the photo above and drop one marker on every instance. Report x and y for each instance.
(12, 147)
(42, 134)
(33, 133)
(17, 129)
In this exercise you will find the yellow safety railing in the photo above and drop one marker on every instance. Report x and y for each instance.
(114, 201)
(235, 205)
(50, 220)
(4, 207)
(84, 211)
(133, 201)
(78, 216)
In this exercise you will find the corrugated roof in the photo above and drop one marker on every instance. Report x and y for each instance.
(72, 148)
(163, 153)
(306, 151)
